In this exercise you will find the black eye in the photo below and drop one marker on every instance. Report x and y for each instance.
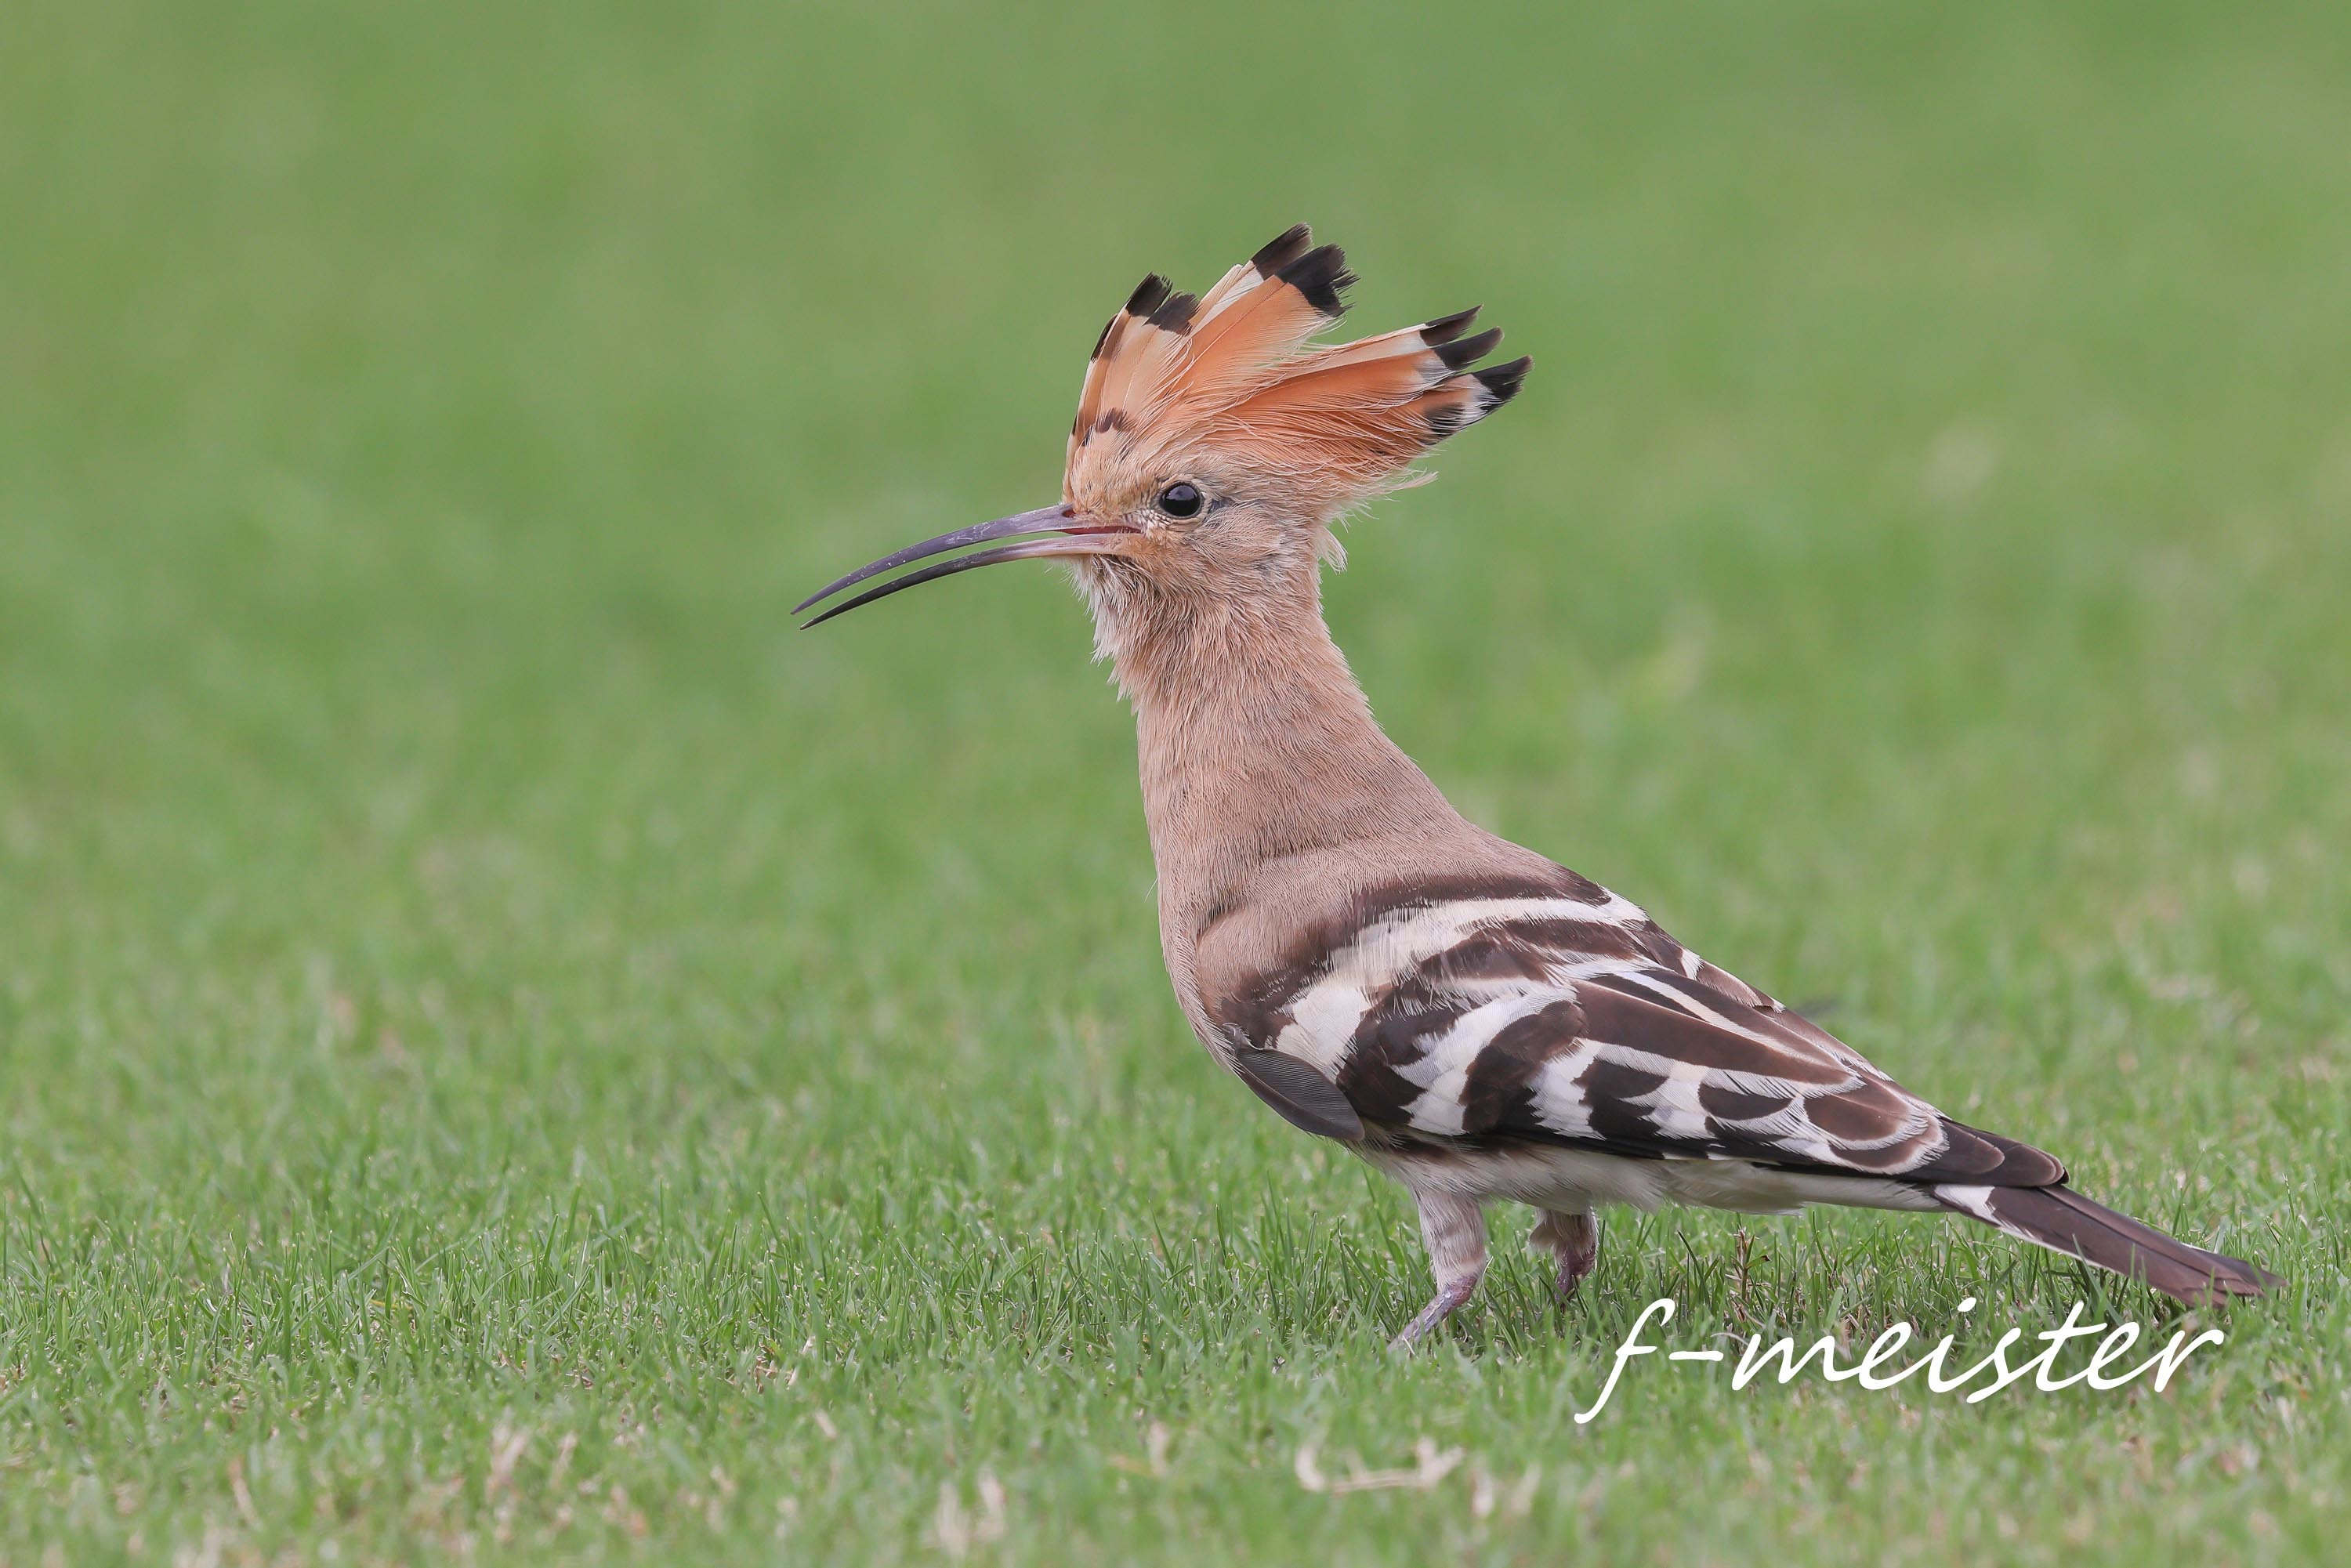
(1182, 499)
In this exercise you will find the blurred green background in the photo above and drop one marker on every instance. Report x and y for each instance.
(507, 1047)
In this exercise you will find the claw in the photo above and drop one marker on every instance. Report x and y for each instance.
(1440, 1307)
(1574, 1240)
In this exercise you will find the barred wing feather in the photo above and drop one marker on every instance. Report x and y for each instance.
(1524, 1015)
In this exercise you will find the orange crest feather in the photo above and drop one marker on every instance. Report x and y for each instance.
(1175, 374)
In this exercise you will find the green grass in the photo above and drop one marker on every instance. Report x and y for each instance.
(507, 1047)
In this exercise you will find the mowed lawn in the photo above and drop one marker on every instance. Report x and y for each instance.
(507, 1048)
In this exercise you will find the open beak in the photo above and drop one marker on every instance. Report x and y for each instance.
(1073, 537)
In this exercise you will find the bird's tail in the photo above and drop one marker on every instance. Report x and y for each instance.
(2064, 1221)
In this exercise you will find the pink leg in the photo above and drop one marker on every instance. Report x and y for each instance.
(1574, 1240)
(1454, 1228)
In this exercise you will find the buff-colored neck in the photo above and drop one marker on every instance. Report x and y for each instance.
(1257, 745)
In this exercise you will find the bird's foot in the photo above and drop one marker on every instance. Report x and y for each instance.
(1574, 1240)
(1449, 1295)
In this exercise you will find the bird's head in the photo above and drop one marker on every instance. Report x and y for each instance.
(1214, 447)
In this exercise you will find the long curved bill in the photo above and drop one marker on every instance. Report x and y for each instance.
(1073, 539)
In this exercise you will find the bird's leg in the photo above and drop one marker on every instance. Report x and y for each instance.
(1452, 1227)
(1573, 1238)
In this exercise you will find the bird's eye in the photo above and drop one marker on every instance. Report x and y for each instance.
(1182, 499)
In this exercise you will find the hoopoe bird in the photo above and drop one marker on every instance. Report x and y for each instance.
(1481, 1023)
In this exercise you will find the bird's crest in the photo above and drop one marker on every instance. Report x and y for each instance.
(1231, 372)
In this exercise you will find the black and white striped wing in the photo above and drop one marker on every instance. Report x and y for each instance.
(1563, 1015)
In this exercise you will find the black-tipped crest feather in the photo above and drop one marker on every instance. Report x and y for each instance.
(1148, 295)
(1444, 329)
(1174, 313)
(1502, 382)
(1323, 277)
(1281, 250)
(1466, 350)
